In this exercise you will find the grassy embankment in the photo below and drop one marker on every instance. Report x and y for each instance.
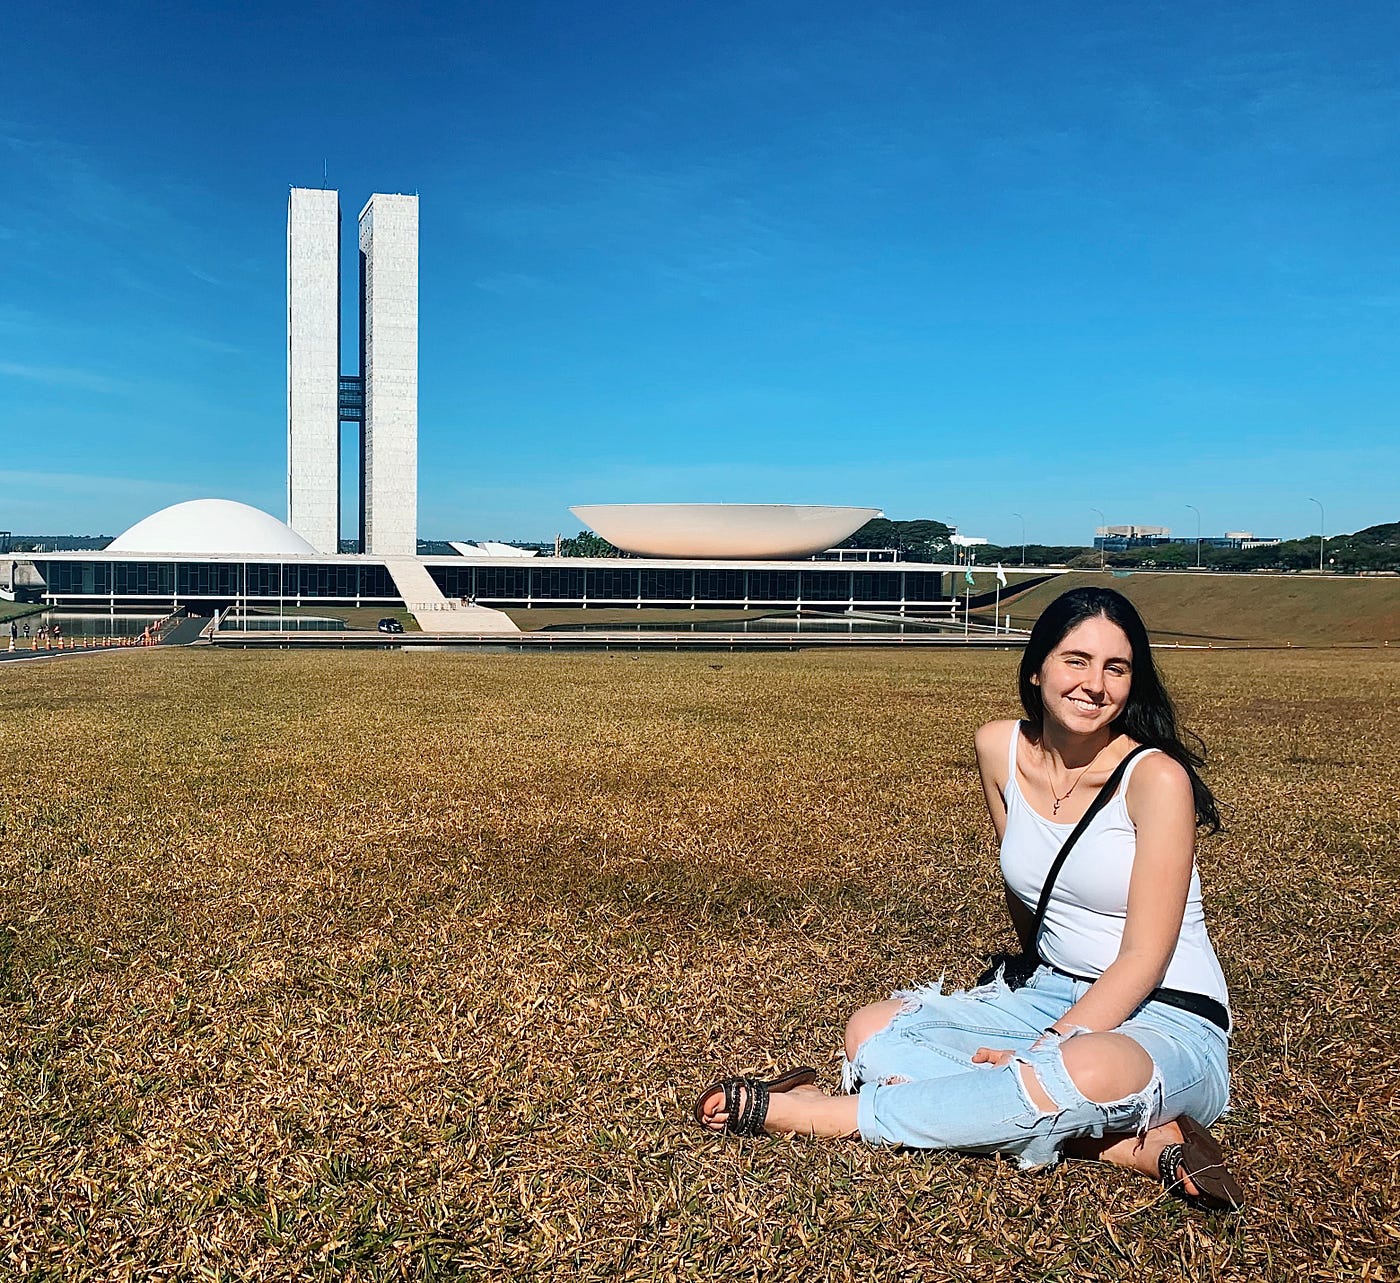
(392, 965)
(1183, 607)
(19, 610)
(1301, 610)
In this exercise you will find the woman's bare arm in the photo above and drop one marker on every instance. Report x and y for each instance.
(1161, 807)
(993, 743)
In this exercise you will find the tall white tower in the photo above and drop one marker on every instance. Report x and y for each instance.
(389, 366)
(313, 367)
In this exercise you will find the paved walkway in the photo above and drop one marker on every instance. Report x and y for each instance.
(436, 613)
(546, 641)
(186, 631)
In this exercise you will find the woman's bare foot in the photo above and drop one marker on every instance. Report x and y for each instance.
(1138, 1153)
(809, 1111)
(806, 1111)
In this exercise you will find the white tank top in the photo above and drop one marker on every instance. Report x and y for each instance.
(1083, 925)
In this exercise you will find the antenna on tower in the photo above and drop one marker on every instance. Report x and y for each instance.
(325, 171)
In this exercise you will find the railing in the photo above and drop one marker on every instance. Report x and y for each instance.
(51, 638)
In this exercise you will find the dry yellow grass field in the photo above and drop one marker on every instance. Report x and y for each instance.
(405, 965)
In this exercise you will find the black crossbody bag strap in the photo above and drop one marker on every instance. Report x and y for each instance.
(1110, 787)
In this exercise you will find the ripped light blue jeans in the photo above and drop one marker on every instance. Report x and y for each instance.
(919, 1087)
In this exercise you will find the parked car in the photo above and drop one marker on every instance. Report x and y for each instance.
(390, 626)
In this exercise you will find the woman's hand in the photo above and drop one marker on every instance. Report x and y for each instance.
(992, 1056)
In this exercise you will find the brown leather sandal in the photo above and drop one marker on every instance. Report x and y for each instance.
(1198, 1157)
(746, 1099)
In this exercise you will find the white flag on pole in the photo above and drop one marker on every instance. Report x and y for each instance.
(1001, 575)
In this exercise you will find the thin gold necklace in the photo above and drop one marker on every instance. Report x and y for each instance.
(1050, 779)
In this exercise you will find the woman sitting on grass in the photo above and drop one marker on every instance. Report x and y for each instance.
(1116, 1046)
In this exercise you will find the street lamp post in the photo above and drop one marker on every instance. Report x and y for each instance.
(1321, 534)
(1197, 511)
(1023, 537)
(1103, 525)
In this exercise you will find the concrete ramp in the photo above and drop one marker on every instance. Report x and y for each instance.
(436, 613)
(186, 631)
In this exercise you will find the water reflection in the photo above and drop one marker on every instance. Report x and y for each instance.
(793, 623)
(83, 626)
(285, 624)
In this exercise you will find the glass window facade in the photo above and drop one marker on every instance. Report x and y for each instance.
(503, 583)
(454, 581)
(667, 585)
(352, 398)
(819, 585)
(773, 585)
(710, 586)
(557, 584)
(216, 580)
(923, 585)
(866, 586)
(724, 587)
(228, 581)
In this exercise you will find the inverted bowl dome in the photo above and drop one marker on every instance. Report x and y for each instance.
(728, 531)
(212, 526)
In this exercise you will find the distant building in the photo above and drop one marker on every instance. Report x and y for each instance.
(1235, 539)
(313, 366)
(389, 367)
(1122, 538)
(382, 398)
(208, 555)
(857, 554)
(1126, 538)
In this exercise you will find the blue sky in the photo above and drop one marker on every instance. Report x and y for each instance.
(958, 261)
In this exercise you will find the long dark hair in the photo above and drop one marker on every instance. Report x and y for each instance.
(1149, 717)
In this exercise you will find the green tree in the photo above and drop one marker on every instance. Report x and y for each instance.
(919, 540)
(1170, 556)
(587, 544)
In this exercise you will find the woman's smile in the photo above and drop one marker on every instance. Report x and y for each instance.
(1088, 675)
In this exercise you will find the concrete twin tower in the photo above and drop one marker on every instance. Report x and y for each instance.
(382, 398)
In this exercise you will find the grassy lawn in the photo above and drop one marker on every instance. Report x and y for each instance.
(381, 966)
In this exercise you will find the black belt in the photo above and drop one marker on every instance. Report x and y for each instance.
(1196, 1003)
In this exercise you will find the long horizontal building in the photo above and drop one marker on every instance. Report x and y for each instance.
(205, 582)
(209, 555)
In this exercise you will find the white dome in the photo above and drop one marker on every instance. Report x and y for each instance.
(212, 526)
(747, 531)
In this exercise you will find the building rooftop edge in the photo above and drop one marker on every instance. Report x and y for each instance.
(526, 563)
